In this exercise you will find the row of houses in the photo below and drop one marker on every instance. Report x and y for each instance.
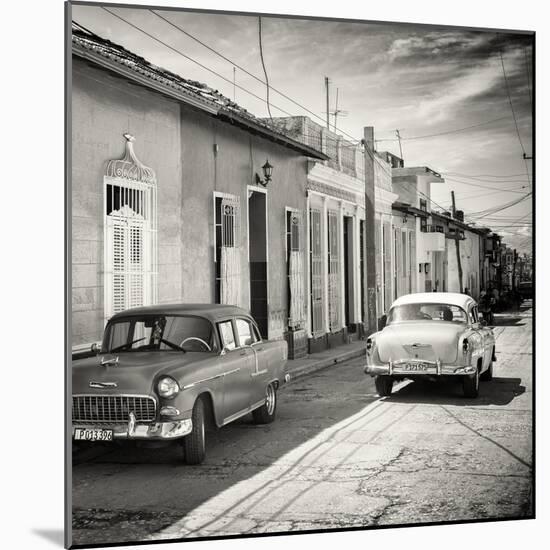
(178, 194)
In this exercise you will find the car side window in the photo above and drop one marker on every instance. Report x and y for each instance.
(244, 329)
(227, 335)
(256, 333)
(471, 315)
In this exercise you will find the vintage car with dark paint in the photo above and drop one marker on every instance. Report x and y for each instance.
(432, 335)
(163, 372)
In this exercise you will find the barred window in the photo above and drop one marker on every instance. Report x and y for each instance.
(130, 244)
(227, 248)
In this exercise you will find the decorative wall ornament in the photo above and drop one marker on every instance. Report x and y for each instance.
(130, 167)
(333, 192)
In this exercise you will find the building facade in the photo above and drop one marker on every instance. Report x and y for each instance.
(170, 201)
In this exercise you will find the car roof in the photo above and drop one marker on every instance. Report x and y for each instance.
(451, 298)
(213, 312)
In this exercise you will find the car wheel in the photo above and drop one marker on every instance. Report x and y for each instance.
(384, 385)
(194, 444)
(470, 384)
(266, 413)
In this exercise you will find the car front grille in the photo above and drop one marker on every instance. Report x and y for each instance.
(113, 408)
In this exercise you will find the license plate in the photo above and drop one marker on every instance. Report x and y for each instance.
(92, 434)
(415, 367)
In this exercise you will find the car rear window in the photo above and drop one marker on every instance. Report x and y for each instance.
(427, 312)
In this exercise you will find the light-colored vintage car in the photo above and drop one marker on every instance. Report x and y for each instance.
(432, 335)
(166, 372)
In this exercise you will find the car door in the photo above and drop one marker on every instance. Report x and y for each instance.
(249, 336)
(236, 365)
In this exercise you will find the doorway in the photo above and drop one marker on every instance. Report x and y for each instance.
(349, 298)
(257, 254)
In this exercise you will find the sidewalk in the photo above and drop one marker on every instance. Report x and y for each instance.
(298, 368)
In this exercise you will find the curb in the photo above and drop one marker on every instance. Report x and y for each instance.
(306, 370)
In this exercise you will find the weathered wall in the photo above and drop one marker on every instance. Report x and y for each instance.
(104, 107)
(178, 144)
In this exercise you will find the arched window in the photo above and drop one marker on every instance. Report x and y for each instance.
(130, 233)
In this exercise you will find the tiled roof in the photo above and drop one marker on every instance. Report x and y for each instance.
(93, 46)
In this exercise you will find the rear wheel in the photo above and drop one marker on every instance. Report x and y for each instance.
(266, 413)
(384, 385)
(194, 444)
(470, 384)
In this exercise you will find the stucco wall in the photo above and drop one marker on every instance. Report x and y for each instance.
(105, 107)
(178, 144)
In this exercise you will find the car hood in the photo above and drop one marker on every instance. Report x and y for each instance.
(134, 373)
(430, 340)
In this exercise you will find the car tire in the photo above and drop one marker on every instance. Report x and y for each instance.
(194, 444)
(266, 413)
(470, 385)
(384, 385)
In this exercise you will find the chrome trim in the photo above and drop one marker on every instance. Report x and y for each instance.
(110, 396)
(258, 373)
(221, 375)
(101, 385)
(171, 429)
(106, 362)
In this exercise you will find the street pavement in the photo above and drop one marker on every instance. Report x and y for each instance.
(337, 456)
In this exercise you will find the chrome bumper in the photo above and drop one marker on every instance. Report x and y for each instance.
(157, 430)
(418, 367)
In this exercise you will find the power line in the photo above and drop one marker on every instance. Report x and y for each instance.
(514, 114)
(444, 133)
(191, 59)
(263, 65)
(213, 50)
(482, 186)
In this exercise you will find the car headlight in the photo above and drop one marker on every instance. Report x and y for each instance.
(167, 387)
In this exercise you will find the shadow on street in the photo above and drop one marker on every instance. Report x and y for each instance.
(499, 391)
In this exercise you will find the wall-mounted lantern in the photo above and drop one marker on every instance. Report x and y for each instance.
(404, 218)
(268, 172)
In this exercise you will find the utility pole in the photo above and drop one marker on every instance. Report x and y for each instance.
(369, 281)
(457, 242)
(327, 98)
(400, 148)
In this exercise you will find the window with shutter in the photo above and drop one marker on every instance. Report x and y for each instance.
(130, 233)
(316, 262)
(296, 294)
(333, 271)
(227, 248)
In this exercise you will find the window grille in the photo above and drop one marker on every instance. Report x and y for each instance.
(316, 262)
(297, 314)
(130, 234)
(379, 269)
(386, 230)
(411, 261)
(333, 272)
(227, 249)
(396, 244)
(404, 253)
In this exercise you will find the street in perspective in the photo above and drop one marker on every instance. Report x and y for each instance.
(338, 456)
(301, 277)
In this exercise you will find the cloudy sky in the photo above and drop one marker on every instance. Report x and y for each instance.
(443, 88)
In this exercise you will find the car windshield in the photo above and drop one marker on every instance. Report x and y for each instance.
(426, 311)
(178, 333)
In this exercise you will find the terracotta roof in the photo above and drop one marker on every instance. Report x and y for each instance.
(118, 59)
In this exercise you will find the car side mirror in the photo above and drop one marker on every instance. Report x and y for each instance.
(483, 323)
(94, 348)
